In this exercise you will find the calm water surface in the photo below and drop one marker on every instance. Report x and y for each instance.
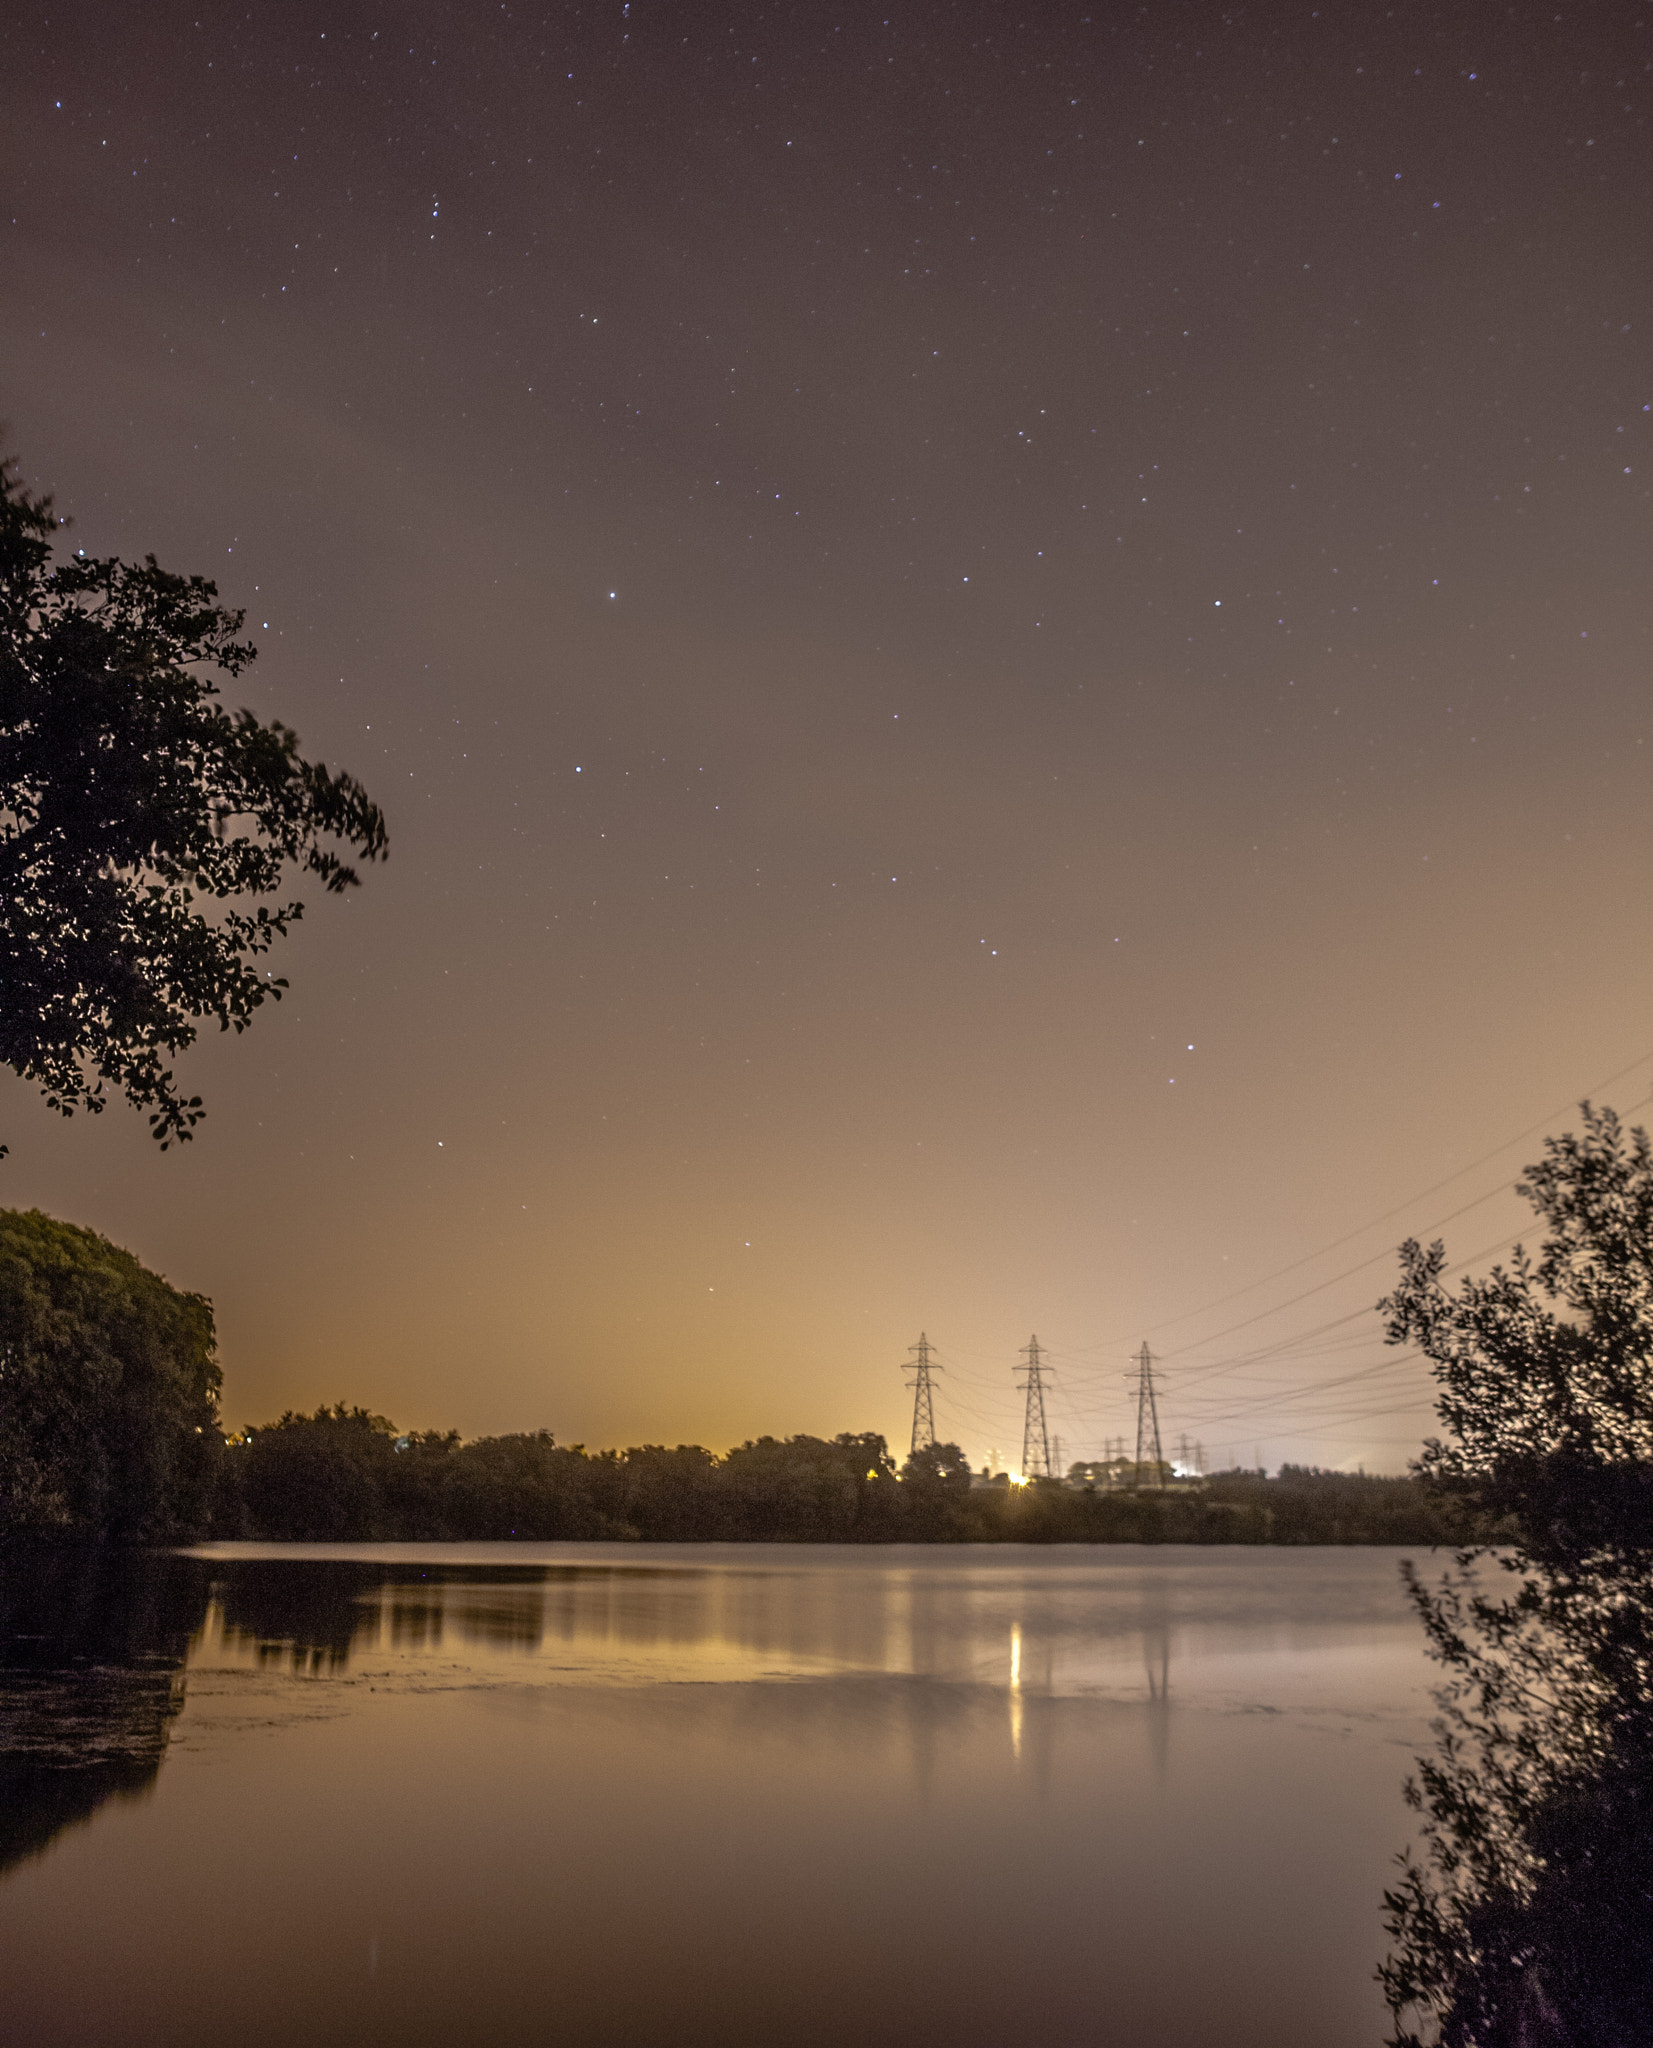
(500, 1794)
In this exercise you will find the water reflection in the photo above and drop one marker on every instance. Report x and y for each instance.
(1030, 1624)
(665, 1796)
(92, 1649)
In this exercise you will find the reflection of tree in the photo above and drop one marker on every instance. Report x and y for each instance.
(309, 1610)
(92, 1648)
(316, 1612)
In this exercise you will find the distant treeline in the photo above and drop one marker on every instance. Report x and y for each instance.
(109, 1429)
(343, 1474)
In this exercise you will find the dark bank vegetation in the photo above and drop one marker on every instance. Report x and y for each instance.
(1526, 1919)
(343, 1474)
(108, 1391)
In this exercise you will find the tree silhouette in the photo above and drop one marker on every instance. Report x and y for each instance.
(108, 1390)
(1528, 1919)
(134, 811)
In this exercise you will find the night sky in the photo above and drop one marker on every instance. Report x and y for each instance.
(1007, 649)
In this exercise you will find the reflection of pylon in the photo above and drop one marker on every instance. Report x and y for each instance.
(1147, 1417)
(924, 1414)
(1035, 1437)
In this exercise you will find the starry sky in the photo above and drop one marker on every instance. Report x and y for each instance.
(1007, 649)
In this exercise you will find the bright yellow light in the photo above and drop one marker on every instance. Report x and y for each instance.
(1017, 1479)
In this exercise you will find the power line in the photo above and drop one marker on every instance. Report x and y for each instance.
(1348, 1379)
(1422, 1196)
(1199, 1373)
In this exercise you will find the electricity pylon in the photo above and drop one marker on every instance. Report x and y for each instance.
(1147, 1416)
(924, 1414)
(1035, 1437)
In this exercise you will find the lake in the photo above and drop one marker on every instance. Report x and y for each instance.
(476, 1795)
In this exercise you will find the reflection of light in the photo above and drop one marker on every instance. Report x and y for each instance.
(1015, 1658)
(1015, 1692)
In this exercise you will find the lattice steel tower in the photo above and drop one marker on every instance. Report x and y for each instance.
(924, 1414)
(1147, 1417)
(1035, 1437)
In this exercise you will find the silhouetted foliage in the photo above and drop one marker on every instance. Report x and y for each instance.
(1529, 1917)
(943, 1466)
(320, 1477)
(108, 1389)
(675, 1496)
(132, 804)
(345, 1475)
(804, 1489)
(936, 1499)
(1304, 1505)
